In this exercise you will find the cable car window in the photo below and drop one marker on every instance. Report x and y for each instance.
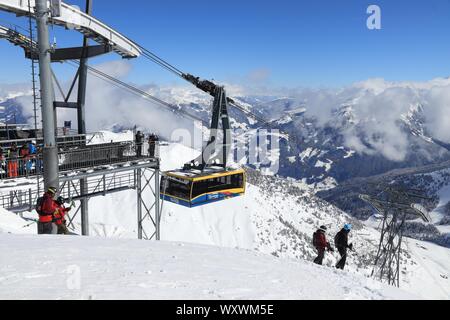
(200, 187)
(237, 181)
(176, 188)
(217, 184)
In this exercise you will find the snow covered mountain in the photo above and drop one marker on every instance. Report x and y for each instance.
(365, 129)
(341, 141)
(276, 217)
(11, 112)
(431, 181)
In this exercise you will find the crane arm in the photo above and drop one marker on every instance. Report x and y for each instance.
(204, 85)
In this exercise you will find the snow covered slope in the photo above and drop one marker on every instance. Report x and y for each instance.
(430, 273)
(275, 217)
(89, 268)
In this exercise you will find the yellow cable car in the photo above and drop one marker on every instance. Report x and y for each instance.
(207, 178)
(192, 188)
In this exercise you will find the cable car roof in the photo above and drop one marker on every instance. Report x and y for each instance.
(208, 173)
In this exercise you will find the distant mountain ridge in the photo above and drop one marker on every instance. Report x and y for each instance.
(334, 135)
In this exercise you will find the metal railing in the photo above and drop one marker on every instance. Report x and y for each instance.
(62, 141)
(25, 199)
(95, 156)
(74, 157)
(21, 167)
(21, 200)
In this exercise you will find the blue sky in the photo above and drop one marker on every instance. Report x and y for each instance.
(286, 42)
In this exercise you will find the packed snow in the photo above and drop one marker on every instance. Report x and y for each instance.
(88, 268)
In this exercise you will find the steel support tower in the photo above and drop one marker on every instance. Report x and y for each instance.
(395, 204)
(81, 119)
(51, 173)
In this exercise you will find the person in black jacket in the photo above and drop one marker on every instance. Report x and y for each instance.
(152, 142)
(139, 138)
(341, 243)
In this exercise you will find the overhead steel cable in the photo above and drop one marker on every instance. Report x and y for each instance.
(166, 65)
(174, 108)
(151, 56)
(145, 95)
(136, 91)
(161, 62)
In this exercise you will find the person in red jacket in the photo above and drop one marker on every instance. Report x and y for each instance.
(47, 208)
(321, 244)
(60, 219)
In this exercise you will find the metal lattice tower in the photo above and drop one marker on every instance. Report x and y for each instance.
(149, 217)
(395, 204)
(34, 88)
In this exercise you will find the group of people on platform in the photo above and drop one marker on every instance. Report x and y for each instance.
(52, 213)
(152, 141)
(20, 161)
(322, 245)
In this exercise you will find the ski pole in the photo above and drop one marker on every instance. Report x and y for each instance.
(28, 225)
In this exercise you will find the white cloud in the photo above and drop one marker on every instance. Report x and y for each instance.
(437, 112)
(376, 104)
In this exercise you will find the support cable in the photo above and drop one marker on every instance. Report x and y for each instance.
(136, 91)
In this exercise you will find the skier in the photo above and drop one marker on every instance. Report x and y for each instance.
(60, 216)
(321, 244)
(47, 208)
(341, 243)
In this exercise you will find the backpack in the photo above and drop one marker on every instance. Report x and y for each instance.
(39, 203)
(315, 239)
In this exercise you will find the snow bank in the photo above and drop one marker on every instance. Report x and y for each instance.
(12, 223)
(88, 268)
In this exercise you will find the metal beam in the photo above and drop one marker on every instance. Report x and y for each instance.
(72, 18)
(157, 207)
(66, 105)
(138, 183)
(81, 175)
(76, 53)
(100, 193)
(81, 118)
